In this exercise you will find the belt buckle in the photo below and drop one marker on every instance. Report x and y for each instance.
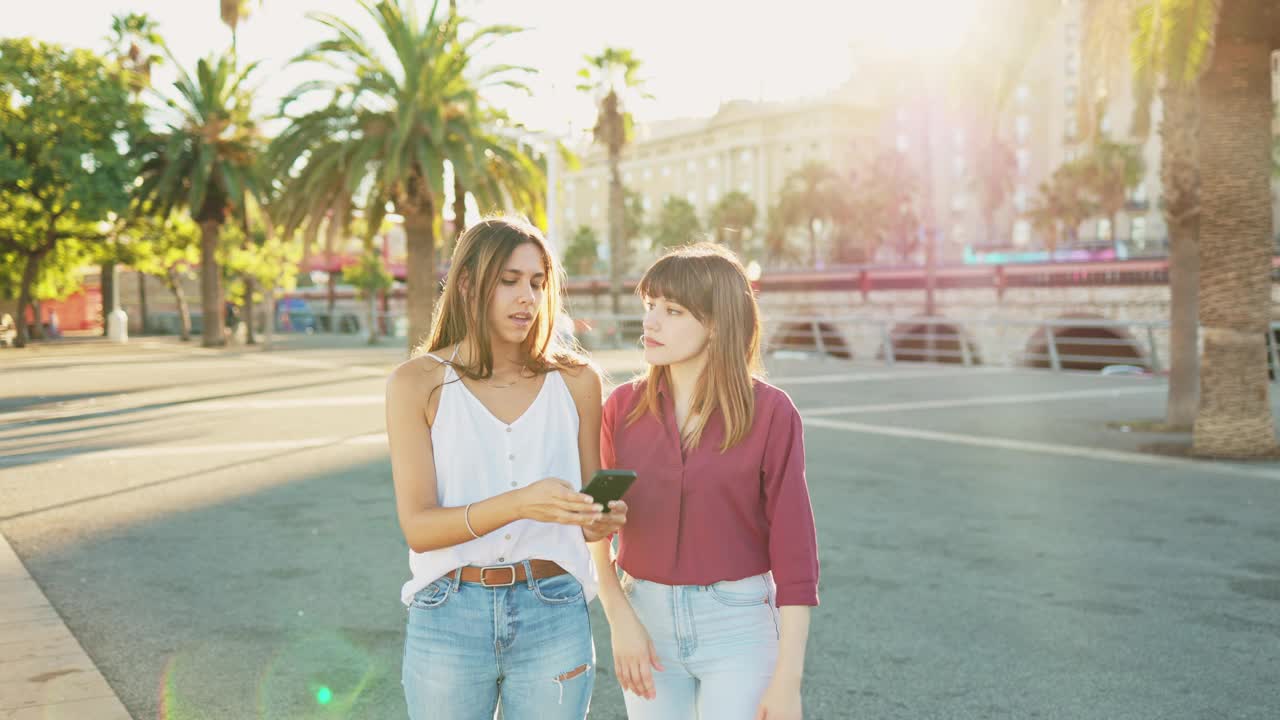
(484, 575)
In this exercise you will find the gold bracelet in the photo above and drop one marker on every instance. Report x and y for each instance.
(466, 517)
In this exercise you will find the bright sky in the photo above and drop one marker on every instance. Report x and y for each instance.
(696, 53)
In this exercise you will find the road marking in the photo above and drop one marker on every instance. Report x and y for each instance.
(977, 401)
(214, 448)
(1120, 456)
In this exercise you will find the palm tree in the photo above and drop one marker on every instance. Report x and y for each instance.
(1169, 49)
(732, 216)
(1111, 170)
(491, 162)
(608, 76)
(205, 160)
(232, 13)
(389, 125)
(808, 197)
(134, 39)
(1235, 418)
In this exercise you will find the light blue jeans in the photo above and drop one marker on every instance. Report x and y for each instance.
(528, 646)
(718, 645)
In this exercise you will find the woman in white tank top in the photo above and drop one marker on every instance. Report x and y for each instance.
(493, 429)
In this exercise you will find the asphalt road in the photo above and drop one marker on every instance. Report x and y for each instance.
(218, 531)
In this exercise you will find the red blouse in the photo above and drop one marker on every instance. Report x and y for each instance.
(701, 516)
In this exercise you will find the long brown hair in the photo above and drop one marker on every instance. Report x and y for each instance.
(709, 282)
(478, 261)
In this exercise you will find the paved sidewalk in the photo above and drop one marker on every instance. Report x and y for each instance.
(44, 673)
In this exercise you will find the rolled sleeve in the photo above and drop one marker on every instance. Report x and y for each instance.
(793, 538)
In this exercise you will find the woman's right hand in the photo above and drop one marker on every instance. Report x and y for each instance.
(634, 656)
(554, 500)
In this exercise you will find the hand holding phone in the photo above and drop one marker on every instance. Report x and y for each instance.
(609, 485)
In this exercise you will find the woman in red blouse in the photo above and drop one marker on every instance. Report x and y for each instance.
(719, 553)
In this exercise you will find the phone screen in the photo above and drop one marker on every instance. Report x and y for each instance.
(609, 485)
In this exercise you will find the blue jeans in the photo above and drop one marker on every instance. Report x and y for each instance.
(718, 644)
(469, 647)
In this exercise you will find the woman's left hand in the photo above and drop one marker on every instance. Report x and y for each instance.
(781, 702)
(608, 523)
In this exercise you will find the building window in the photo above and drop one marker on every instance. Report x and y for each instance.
(1020, 198)
(646, 203)
(626, 177)
(745, 186)
(648, 173)
(1070, 96)
(958, 164)
(595, 183)
(1072, 127)
(692, 197)
(690, 166)
(666, 171)
(1022, 127)
(1104, 229)
(712, 162)
(1070, 155)
(958, 202)
(1023, 93)
(1023, 157)
(1105, 125)
(568, 188)
(711, 195)
(1073, 65)
(595, 210)
(744, 156)
(957, 136)
(1072, 33)
(903, 142)
(1021, 233)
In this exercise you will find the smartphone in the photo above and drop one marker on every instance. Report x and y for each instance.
(609, 485)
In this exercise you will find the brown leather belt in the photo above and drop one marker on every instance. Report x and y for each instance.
(504, 575)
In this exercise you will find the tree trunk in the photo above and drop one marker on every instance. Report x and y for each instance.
(373, 317)
(1180, 179)
(459, 213)
(106, 280)
(142, 300)
(617, 217)
(248, 312)
(29, 273)
(184, 312)
(37, 314)
(1235, 417)
(421, 272)
(813, 244)
(211, 304)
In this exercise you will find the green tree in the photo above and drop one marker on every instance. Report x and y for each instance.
(677, 223)
(583, 252)
(66, 128)
(168, 249)
(1062, 203)
(205, 160)
(609, 76)
(389, 125)
(370, 277)
(733, 217)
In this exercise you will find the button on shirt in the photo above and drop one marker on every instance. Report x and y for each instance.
(701, 516)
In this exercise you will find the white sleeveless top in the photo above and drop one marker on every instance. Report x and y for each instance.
(477, 456)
